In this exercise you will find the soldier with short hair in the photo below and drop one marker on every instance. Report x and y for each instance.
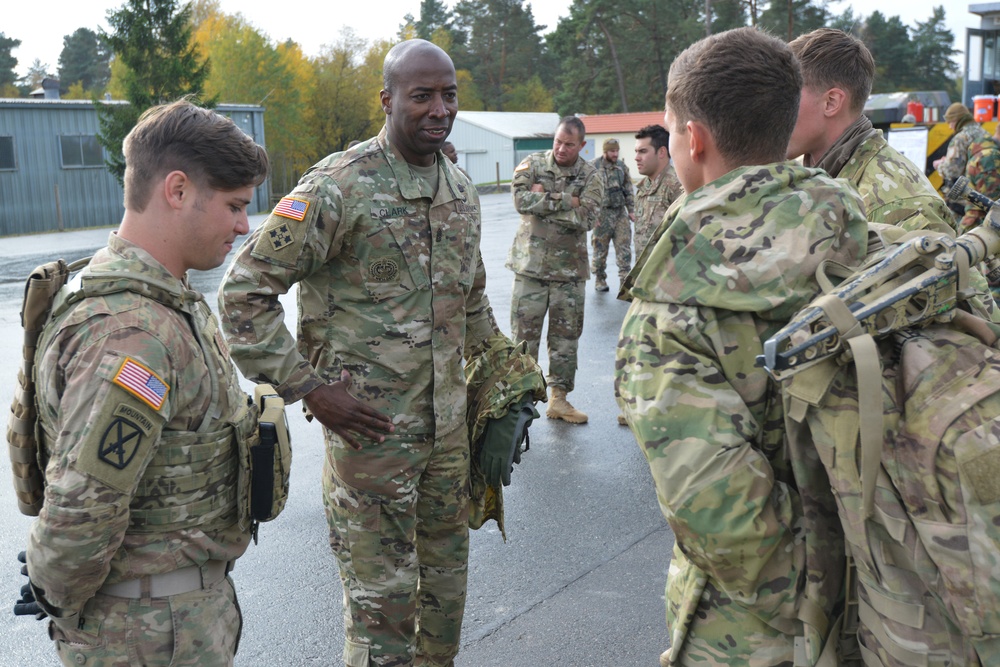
(141, 414)
(757, 574)
(382, 241)
(833, 134)
(660, 187)
(558, 195)
(617, 214)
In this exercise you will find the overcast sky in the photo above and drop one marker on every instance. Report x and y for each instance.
(41, 27)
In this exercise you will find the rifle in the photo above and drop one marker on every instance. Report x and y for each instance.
(921, 279)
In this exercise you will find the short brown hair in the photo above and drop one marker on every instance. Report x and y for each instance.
(744, 85)
(181, 136)
(574, 125)
(834, 59)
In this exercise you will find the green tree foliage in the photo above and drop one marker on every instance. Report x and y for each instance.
(7, 60)
(85, 59)
(933, 67)
(639, 38)
(153, 41)
(890, 45)
(500, 46)
(790, 18)
(36, 73)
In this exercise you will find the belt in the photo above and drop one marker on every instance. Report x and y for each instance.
(184, 580)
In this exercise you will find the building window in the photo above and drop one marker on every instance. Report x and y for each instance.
(7, 153)
(81, 151)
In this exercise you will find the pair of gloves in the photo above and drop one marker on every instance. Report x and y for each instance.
(502, 440)
(27, 605)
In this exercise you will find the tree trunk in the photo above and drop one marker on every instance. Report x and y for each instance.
(617, 64)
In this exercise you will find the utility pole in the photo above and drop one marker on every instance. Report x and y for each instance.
(708, 17)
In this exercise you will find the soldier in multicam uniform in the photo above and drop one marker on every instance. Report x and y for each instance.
(617, 214)
(974, 153)
(659, 189)
(558, 195)
(833, 134)
(137, 399)
(758, 565)
(383, 241)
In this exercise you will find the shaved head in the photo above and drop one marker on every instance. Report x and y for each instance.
(400, 53)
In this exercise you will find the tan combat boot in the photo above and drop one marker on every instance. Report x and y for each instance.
(560, 408)
(600, 285)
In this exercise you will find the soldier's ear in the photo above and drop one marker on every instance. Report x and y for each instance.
(834, 101)
(176, 189)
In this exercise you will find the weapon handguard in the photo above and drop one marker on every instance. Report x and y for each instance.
(918, 281)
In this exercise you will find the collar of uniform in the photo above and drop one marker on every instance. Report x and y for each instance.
(135, 263)
(448, 188)
(550, 163)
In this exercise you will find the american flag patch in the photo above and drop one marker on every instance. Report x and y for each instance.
(136, 379)
(289, 207)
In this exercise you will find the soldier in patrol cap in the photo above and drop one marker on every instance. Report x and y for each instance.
(383, 242)
(141, 414)
(614, 224)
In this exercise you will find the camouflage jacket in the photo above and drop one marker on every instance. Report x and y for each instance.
(617, 181)
(391, 287)
(551, 241)
(652, 199)
(895, 191)
(960, 148)
(119, 376)
(730, 264)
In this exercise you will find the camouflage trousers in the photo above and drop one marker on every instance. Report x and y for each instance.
(399, 526)
(196, 629)
(613, 226)
(564, 301)
(708, 629)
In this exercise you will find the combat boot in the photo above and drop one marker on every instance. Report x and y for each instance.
(600, 285)
(665, 659)
(560, 408)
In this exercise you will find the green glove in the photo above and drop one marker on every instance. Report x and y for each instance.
(502, 442)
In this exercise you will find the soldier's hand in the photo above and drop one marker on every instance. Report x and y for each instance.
(27, 605)
(335, 408)
(575, 202)
(502, 442)
(536, 187)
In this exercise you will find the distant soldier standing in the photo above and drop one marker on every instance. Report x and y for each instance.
(659, 189)
(617, 213)
(141, 413)
(974, 153)
(558, 195)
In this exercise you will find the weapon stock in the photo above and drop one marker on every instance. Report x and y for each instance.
(916, 282)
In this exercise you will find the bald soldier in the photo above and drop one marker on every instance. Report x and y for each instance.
(383, 242)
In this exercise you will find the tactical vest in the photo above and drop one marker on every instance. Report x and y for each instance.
(194, 479)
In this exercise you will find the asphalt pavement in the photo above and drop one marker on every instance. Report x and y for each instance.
(578, 582)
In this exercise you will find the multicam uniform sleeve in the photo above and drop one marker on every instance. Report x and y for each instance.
(731, 518)
(295, 241)
(108, 427)
(953, 164)
(541, 204)
(591, 195)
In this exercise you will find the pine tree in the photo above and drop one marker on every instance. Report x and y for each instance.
(152, 39)
(7, 61)
(85, 58)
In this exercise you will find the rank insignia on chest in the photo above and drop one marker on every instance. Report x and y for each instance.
(281, 236)
(383, 269)
(120, 443)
